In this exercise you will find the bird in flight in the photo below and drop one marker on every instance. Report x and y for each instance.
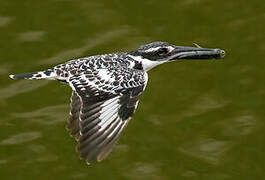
(106, 90)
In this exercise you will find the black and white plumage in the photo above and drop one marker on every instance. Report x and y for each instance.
(106, 90)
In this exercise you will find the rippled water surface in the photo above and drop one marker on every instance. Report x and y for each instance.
(196, 119)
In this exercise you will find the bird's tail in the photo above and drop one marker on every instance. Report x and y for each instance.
(48, 74)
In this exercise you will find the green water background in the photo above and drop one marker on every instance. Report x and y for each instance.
(196, 119)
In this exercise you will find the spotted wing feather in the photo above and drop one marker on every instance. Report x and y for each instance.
(73, 121)
(105, 109)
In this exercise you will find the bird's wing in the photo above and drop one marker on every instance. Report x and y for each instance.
(101, 106)
(73, 121)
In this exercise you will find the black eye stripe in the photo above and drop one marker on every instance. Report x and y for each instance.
(162, 51)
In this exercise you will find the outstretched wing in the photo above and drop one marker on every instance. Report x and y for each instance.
(101, 106)
(73, 121)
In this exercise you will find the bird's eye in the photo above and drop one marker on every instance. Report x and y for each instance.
(162, 51)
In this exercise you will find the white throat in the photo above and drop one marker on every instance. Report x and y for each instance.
(146, 63)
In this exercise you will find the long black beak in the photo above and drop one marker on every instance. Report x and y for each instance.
(181, 52)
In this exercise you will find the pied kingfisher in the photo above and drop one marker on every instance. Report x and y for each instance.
(106, 90)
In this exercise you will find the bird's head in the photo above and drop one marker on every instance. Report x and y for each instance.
(155, 53)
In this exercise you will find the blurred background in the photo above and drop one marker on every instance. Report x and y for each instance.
(196, 119)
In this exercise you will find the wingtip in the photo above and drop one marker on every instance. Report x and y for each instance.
(11, 76)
